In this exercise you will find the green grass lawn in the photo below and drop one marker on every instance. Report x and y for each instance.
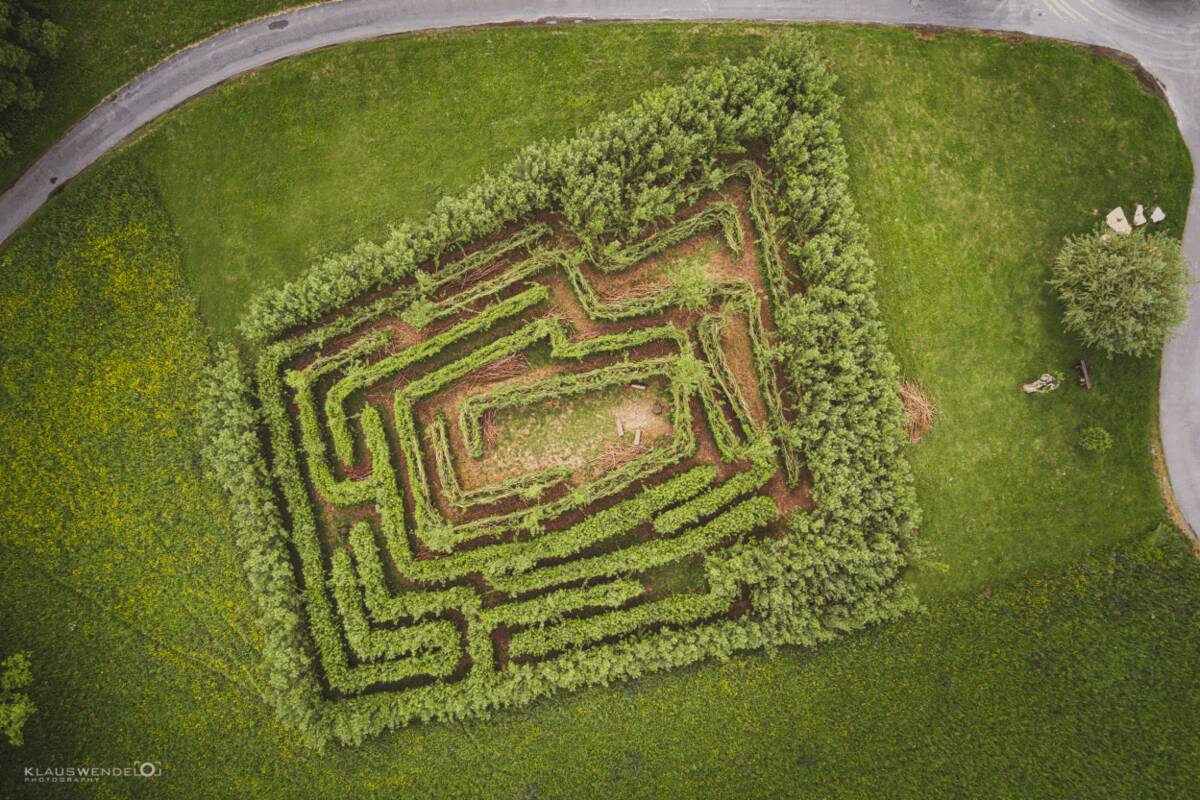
(1048, 666)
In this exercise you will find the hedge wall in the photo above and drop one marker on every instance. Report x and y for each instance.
(836, 569)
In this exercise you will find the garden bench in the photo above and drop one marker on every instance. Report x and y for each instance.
(1085, 376)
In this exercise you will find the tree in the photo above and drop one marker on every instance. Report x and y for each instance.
(1123, 294)
(15, 705)
(27, 39)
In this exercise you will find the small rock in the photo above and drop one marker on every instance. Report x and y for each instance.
(1116, 220)
(658, 408)
(1046, 383)
(620, 428)
(1157, 215)
(1139, 215)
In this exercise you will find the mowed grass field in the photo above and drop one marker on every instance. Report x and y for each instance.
(1050, 662)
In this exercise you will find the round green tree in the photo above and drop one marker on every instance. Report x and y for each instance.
(1123, 294)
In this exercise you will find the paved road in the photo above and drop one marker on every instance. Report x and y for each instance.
(1163, 34)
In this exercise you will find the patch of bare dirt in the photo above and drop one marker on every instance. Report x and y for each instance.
(919, 410)
(735, 341)
(509, 455)
(501, 370)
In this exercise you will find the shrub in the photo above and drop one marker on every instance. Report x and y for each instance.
(1122, 294)
(1095, 439)
(691, 283)
(420, 313)
(15, 705)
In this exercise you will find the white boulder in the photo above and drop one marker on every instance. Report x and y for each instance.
(1116, 220)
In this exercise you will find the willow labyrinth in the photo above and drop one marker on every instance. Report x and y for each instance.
(454, 546)
(563, 454)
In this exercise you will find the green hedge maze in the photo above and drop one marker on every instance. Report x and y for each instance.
(594, 419)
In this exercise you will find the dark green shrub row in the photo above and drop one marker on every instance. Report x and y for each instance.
(443, 274)
(551, 607)
(761, 200)
(616, 176)
(457, 305)
(691, 292)
(765, 358)
(718, 497)
(435, 641)
(335, 281)
(503, 557)
(382, 605)
(709, 331)
(842, 562)
(632, 308)
(607, 524)
(323, 628)
(675, 610)
(431, 522)
(729, 445)
(357, 378)
(235, 461)
(438, 534)
(742, 518)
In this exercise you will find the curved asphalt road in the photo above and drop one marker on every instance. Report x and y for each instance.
(1163, 34)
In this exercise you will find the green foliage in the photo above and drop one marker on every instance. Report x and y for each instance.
(692, 284)
(420, 313)
(232, 455)
(838, 569)
(557, 387)
(722, 215)
(432, 644)
(1095, 439)
(15, 706)
(603, 180)
(28, 39)
(677, 610)
(715, 499)
(742, 518)
(528, 487)
(1122, 294)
